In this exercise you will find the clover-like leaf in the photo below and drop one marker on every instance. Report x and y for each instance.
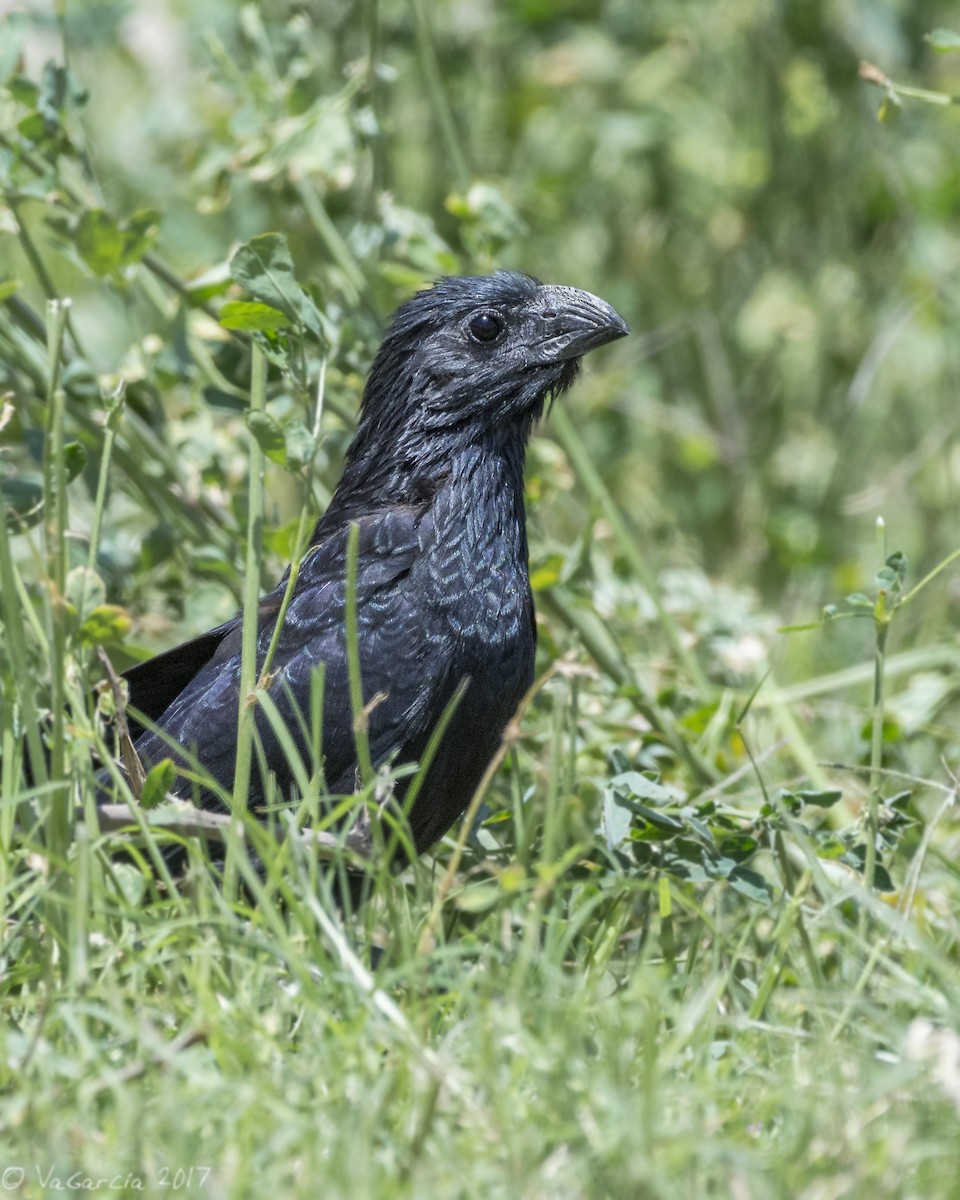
(264, 267)
(254, 317)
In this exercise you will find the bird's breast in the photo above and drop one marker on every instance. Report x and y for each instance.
(477, 575)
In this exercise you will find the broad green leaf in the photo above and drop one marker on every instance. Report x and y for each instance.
(889, 110)
(131, 881)
(825, 799)
(477, 899)
(900, 802)
(647, 789)
(139, 233)
(75, 459)
(750, 884)
(616, 819)
(944, 41)
(85, 590)
(159, 781)
(282, 541)
(265, 268)
(99, 241)
(856, 857)
(739, 847)
(269, 434)
(659, 820)
(300, 443)
(547, 572)
(210, 283)
(107, 623)
(56, 89)
(253, 316)
(33, 127)
(24, 91)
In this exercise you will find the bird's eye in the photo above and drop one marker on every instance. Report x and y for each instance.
(486, 327)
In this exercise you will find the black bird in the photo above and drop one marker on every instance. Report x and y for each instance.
(434, 480)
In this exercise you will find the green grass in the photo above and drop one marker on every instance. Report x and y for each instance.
(558, 1042)
(702, 939)
(559, 1008)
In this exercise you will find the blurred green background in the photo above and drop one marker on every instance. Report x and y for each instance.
(716, 170)
(703, 1001)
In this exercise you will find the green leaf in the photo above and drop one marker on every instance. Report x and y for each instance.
(282, 541)
(56, 89)
(265, 268)
(856, 857)
(825, 799)
(944, 41)
(85, 590)
(646, 789)
(547, 572)
(301, 445)
(75, 459)
(616, 819)
(742, 714)
(699, 827)
(132, 883)
(99, 241)
(269, 434)
(889, 110)
(106, 624)
(739, 847)
(159, 781)
(33, 127)
(477, 899)
(659, 820)
(210, 283)
(139, 233)
(253, 316)
(750, 884)
(901, 801)
(23, 91)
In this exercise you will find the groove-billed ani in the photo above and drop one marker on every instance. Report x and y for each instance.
(434, 480)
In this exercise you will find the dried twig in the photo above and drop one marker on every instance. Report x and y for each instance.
(128, 752)
(186, 820)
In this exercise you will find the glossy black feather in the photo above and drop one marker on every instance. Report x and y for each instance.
(434, 479)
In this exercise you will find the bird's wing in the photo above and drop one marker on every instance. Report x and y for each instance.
(402, 660)
(200, 680)
(152, 686)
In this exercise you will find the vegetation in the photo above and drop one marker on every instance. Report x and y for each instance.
(702, 937)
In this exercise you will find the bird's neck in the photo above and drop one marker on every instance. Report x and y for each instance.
(476, 553)
(486, 471)
(484, 485)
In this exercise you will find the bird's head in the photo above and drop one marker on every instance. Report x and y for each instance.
(478, 353)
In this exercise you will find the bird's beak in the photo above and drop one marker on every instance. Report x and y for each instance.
(575, 322)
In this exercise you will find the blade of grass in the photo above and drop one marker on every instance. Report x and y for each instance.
(17, 642)
(59, 820)
(303, 533)
(438, 96)
(251, 610)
